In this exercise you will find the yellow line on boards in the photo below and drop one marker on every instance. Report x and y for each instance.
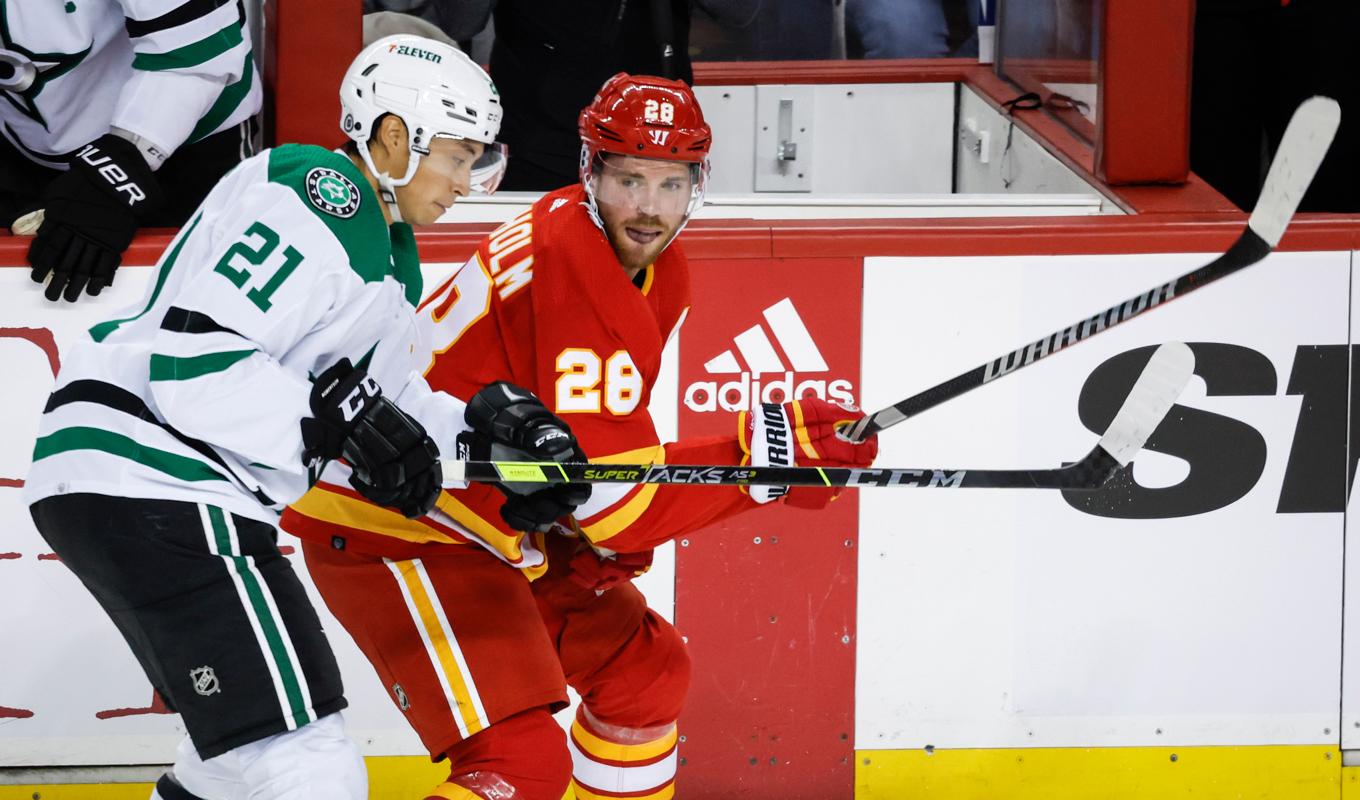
(1297, 772)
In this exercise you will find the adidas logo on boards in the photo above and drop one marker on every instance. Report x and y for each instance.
(762, 359)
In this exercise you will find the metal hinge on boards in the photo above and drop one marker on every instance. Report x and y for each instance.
(784, 127)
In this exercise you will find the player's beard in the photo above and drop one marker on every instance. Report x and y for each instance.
(634, 254)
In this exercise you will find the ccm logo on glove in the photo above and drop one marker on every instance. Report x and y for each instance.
(549, 436)
(358, 399)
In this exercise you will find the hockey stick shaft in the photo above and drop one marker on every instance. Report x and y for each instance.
(1301, 151)
(1149, 400)
(1089, 473)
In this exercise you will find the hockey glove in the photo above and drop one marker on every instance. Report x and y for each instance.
(394, 462)
(802, 433)
(91, 213)
(510, 424)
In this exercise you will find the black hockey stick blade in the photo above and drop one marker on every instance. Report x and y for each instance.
(1301, 151)
(1148, 402)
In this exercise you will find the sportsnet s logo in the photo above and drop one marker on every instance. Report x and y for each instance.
(781, 362)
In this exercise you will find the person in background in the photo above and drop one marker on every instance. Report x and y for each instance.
(459, 20)
(118, 114)
(1254, 62)
(549, 58)
(912, 28)
(381, 24)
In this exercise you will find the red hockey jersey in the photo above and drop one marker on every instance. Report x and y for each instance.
(545, 304)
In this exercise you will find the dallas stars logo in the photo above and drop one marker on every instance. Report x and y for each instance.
(332, 192)
(24, 73)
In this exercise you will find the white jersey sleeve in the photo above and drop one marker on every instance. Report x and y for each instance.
(170, 71)
(192, 69)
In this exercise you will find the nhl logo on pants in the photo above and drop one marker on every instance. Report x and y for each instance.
(205, 681)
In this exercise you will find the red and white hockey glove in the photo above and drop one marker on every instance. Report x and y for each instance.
(802, 434)
(601, 573)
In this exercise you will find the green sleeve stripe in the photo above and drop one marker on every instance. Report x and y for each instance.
(172, 368)
(191, 55)
(103, 329)
(172, 464)
(227, 102)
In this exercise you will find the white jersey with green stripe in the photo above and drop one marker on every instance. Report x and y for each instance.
(170, 71)
(197, 392)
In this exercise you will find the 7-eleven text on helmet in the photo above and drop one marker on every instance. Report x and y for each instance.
(644, 163)
(438, 93)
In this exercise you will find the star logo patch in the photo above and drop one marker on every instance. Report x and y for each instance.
(332, 192)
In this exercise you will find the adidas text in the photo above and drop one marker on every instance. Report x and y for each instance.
(746, 392)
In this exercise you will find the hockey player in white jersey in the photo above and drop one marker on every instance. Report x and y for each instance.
(117, 114)
(179, 430)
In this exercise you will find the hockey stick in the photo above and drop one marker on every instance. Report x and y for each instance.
(1152, 395)
(1301, 150)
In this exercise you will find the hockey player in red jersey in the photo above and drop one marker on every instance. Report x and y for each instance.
(476, 628)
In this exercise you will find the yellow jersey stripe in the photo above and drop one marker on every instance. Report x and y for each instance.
(611, 520)
(507, 544)
(446, 656)
(338, 509)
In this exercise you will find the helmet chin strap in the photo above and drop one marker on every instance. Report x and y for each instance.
(387, 186)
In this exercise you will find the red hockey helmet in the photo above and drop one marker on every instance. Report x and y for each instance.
(639, 115)
(645, 117)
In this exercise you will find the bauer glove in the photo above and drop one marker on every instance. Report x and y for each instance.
(802, 433)
(394, 462)
(90, 214)
(510, 424)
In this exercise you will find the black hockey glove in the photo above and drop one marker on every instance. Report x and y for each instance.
(90, 216)
(510, 424)
(394, 463)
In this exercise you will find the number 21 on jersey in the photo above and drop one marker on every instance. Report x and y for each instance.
(584, 381)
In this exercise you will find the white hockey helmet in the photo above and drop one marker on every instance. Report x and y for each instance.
(436, 90)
